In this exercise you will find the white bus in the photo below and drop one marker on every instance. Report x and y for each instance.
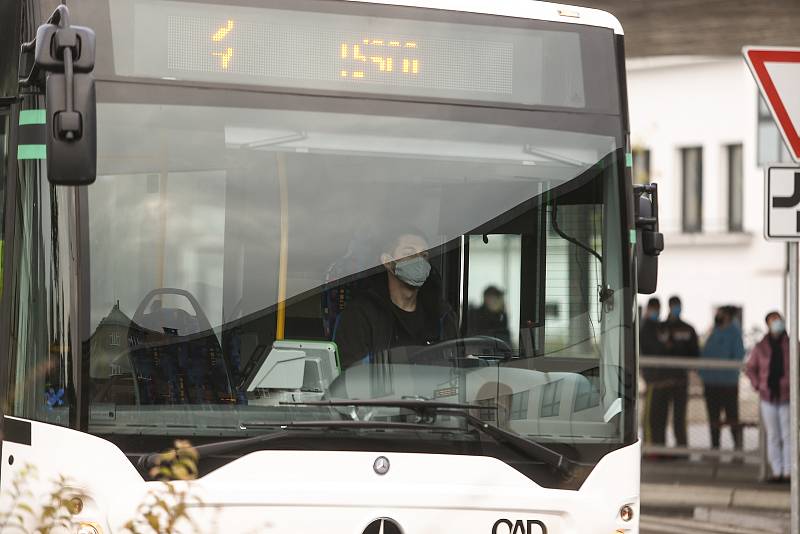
(376, 260)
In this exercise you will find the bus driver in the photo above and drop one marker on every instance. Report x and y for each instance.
(401, 308)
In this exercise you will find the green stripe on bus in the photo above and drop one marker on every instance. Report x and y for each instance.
(32, 116)
(629, 159)
(632, 237)
(32, 152)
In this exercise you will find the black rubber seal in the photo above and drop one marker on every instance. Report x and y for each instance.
(17, 431)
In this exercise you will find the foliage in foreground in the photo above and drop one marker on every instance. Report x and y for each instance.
(163, 511)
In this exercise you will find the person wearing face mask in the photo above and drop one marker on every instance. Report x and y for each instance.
(721, 386)
(680, 341)
(767, 368)
(403, 308)
(651, 343)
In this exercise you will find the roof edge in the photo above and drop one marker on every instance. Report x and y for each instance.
(529, 9)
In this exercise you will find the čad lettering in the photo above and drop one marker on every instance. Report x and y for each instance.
(531, 526)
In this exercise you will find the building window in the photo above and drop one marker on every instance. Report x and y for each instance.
(489, 413)
(551, 399)
(771, 148)
(735, 189)
(641, 166)
(519, 405)
(586, 395)
(692, 177)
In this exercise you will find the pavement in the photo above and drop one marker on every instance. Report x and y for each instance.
(679, 483)
(710, 496)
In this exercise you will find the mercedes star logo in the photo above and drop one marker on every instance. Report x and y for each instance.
(381, 465)
(384, 525)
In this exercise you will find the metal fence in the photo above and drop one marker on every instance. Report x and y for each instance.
(698, 398)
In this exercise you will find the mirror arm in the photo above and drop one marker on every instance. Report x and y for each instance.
(65, 40)
(60, 16)
(32, 75)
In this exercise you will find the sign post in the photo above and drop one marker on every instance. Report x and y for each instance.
(782, 223)
(794, 387)
(777, 73)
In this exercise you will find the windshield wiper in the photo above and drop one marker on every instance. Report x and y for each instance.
(424, 408)
(420, 406)
(285, 430)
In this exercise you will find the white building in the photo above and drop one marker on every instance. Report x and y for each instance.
(697, 129)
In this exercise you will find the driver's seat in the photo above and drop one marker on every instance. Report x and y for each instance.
(173, 321)
(178, 359)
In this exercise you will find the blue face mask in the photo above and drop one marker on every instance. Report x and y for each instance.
(777, 327)
(653, 315)
(675, 311)
(413, 271)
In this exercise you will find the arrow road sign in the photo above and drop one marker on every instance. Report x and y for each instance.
(777, 73)
(782, 212)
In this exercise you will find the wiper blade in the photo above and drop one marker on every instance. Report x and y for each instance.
(285, 430)
(417, 405)
(529, 448)
(553, 458)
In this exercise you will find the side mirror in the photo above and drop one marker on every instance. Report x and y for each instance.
(649, 241)
(71, 130)
(63, 61)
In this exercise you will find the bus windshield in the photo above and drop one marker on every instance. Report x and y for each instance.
(250, 258)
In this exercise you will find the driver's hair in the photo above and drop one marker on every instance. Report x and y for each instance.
(394, 235)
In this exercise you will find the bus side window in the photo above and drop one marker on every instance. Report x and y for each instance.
(42, 352)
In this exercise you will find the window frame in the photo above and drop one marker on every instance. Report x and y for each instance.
(735, 205)
(698, 189)
(551, 399)
(518, 407)
(764, 119)
(587, 395)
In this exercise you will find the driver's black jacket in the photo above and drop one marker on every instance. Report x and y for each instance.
(371, 323)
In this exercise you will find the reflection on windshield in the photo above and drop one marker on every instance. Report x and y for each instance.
(276, 257)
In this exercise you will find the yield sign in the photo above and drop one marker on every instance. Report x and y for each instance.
(777, 72)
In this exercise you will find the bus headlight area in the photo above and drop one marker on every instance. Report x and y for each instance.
(626, 513)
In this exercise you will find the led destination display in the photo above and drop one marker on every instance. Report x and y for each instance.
(265, 51)
(302, 49)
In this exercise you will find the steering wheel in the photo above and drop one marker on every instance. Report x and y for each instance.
(473, 351)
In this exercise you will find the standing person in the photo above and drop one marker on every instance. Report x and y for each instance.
(721, 386)
(681, 341)
(651, 343)
(490, 318)
(767, 368)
